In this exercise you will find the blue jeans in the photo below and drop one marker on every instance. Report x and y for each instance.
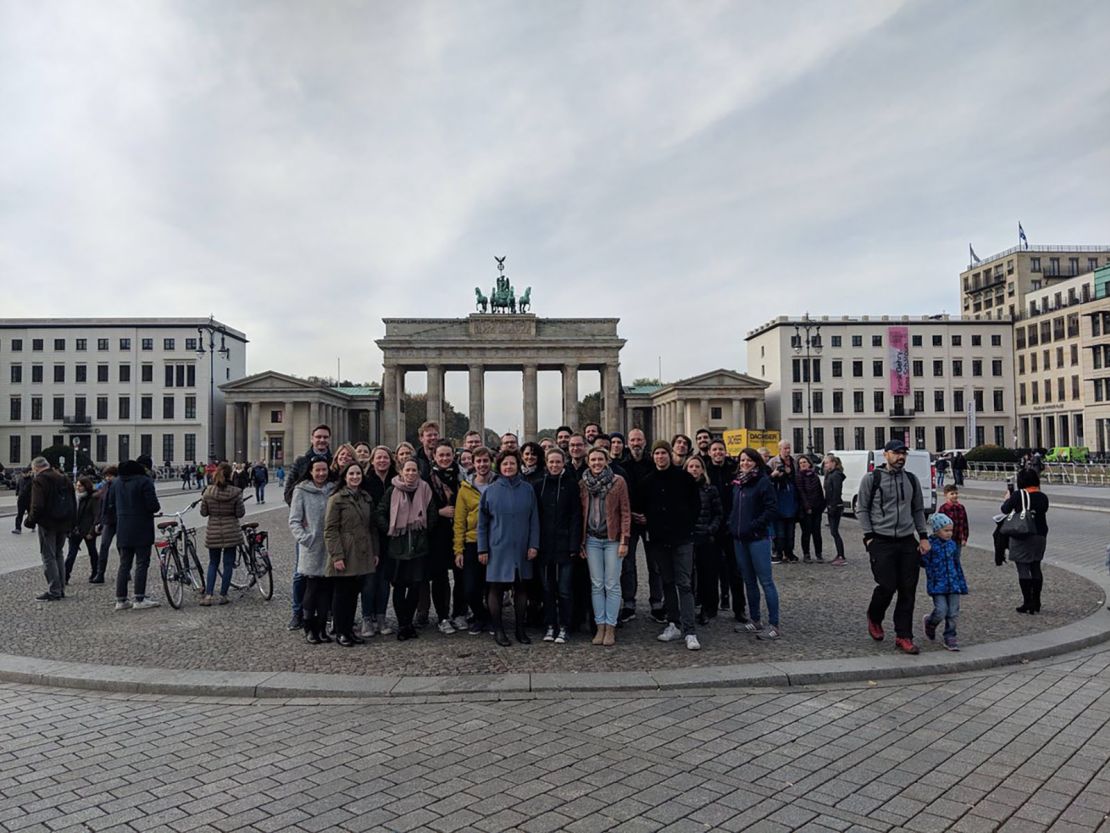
(213, 565)
(605, 578)
(946, 607)
(753, 558)
(260, 493)
(374, 591)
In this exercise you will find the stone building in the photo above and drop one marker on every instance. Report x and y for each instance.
(720, 400)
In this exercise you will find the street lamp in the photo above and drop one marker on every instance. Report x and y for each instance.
(810, 343)
(212, 328)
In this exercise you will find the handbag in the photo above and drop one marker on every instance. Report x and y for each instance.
(1020, 524)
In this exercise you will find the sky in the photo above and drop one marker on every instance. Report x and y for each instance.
(302, 170)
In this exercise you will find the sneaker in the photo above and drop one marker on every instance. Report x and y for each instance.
(223, 600)
(384, 628)
(659, 616)
(692, 643)
(817, 557)
(627, 614)
(670, 633)
(772, 632)
(876, 630)
(295, 624)
(147, 604)
(776, 559)
(806, 558)
(747, 627)
(369, 628)
(476, 629)
(17, 532)
(205, 601)
(445, 627)
(906, 646)
(549, 635)
(951, 644)
(930, 627)
(459, 623)
(839, 561)
(561, 637)
(791, 558)
(124, 605)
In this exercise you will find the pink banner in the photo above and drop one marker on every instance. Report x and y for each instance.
(899, 340)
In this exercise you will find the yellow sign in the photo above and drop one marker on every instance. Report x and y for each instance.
(736, 441)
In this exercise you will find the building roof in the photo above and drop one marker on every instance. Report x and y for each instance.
(1054, 249)
(641, 390)
(844, 320)
(53, 323)
(358, 390)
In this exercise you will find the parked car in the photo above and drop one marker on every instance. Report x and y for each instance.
(858, 463)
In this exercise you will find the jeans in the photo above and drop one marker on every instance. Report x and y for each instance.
(558, 600)
(707, 560)
(298, 583)
(946, 608)
(374, 591)
(811, 532)
(107, 536)
(784, 536)
(74, 548)
(260, 493)
(474, 578)
(753, 559)
(896, 566)
(676, 565)
(605, 575)
(940, 484)
(834, 531)
(213, 566)
(140, 557)
(52, 549)
(630, 578)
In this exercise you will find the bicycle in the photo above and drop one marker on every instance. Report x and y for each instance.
(252, 562)
(179, 565)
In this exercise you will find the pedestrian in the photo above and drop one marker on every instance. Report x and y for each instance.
(1027, 548)
(23, 499)
(508, 541)
(811, 507)
(783, 475)
(607, 526)
(443, 477)
(754, 507)
(955, 510)
(668, 499)
(707, 563)
(637, 464)
(320, 447)
(465, 523)
(222, 504)
(721, 471)
(941, 467)
(891, 513)
(240, 476)
(429, 439)
(52, 508)
(363, 453)
(260, 476)
(105, 526)
(84, 532)
(375, 586)
(132, 505)
(558, 501)
(466, 461)
(200, 478)
(186, 477)
(834, 504)
(280, 473)
(407, 514)
(307, 513)
(351, 539)
(944, 581)
(959, 467)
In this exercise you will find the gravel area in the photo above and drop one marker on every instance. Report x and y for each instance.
(822, 617)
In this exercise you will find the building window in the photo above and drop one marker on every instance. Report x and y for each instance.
(36, 408)
(916, 341)
(879, 402)
(996, 340)
(859, 438)
(999, 404)
(125, 373)
(147, 373)
(36, 445)
(837, 402)
(999, 435)
(190, 446)
(81, 373)
(837, 371)
(976, 341)
(857, 341)
(191, 346)
(938, 367)
(146, 444)
(101, 448)
(818, 402)
(146, 407)
(16, 414)
(938, 341)
(880, 436)
(1019, 338)
(799, 438)
(80, 413)
(797, 405)
(190, 376)
(1047, 391)
(59, 373)
(123, 447)
(125, 344)
(877, 368)
(819, 440)
(918, 367)
(102, 407)
(919, 437)
(938, 401)
(124, 407)
(36, 344)
(60, 344)
(147, 344)
(1061, 393)
(1074, 389)
(169, 376)
(957, 340)
(36, 374)
(857, 368)
(714, 413)
(1034, 264)
(15, 454)
(102, 373)
(1074, 355)
(857, 401)
(976, 367)
(168, 344)
(1033, 362)
(876, 341)
(102, 344)
(834, 341)
(838, 438)
(191, 409)
(167, 448)
(958, 401)
(17, 374)
(996, 367)
(957, 367)
(59, 408)
(919, 400)
(1021, 393)
(17, 345)
(1035, 392)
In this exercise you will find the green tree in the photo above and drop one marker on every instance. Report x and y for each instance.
(589, 409)
(56, 452)
(645, 381)
(454, 427)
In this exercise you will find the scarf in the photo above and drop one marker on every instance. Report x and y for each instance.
(445, 484)
(407, 506)
(743, 478)
(598, 488)
(527, 470)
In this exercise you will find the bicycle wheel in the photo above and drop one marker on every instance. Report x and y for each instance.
(264, 573)
(173, 578)
(240, 575)
(192, 563)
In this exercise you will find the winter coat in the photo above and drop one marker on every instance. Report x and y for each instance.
(710, 515)
(943, 573)
(508, 526)
(88, 514)
(810, 494)
(834, 491)
(132, 504)
(408, 545)
(44, 486)
(560, 508)
(466, 514)
(754, 509)
(260, 475)
(307, 512)
(618, 511)
(721, 477)
(351, 533)
(669, 499)
(785, 489)
(241, 478)
(23, 492)
(299, 472)
(1038, 502)
(223, 506)
(890, 504)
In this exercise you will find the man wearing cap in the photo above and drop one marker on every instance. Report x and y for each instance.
(892, 516)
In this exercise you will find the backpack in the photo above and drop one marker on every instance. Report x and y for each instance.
(914, 484)
(62, 508)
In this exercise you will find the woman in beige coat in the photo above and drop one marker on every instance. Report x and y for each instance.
(351, 539)
(222, 504)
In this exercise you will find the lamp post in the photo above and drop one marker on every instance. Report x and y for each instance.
(212, 328)
(809, 345)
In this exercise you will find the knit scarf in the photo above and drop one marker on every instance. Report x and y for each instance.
(743, 478)
(597, 487)
(407, 506)
(445, 484)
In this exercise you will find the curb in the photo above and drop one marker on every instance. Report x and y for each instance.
(1091, 630)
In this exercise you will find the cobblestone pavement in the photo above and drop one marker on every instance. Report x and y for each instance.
(1017, 750)
(823, 617)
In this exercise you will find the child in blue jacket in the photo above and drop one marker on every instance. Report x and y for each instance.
(944, 580)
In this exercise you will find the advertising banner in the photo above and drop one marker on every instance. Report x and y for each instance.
(736, 441)
(899, 340)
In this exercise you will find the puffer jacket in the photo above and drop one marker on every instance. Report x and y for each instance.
(560, 517)
(307, 512)
(350, 533)
(943, 573)
(223, 506)
(834, 490)
(754, 509)
(710, 515)
(811, 495)
(466, 513)
(88, 512)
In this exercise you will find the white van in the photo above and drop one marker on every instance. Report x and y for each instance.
(859, 463)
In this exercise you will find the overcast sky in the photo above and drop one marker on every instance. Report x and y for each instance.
(302, 170)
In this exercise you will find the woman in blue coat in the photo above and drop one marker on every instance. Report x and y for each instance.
(508, 540)
(754, 507)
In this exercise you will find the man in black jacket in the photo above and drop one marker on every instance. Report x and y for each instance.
(721, 470)
(23, 499)
(637, 464)
(321, 447)
(669, 501)
(46, 484)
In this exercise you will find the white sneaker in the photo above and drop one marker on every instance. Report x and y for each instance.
(367, 628)
(670, 634)
(446, 627)
(561, 637)
(460, 623)
(124, 605)
(692, 643)
(549, 635)
(146, 604)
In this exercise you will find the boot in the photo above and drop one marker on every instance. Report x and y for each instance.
(599, 637)
(521, 612)
(500, 638)
(1035, 594)
(1026, 585)
(610, 635)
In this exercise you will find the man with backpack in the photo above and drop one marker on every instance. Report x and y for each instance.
(892, 517)
(53, 510)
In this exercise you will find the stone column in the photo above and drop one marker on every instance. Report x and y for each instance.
(760, 408)
(389, 406)
(435, 396)
(680, 417)
(704, 413)
(287, 417)
(531, 404)
(570, 395)
(373, 428)
(478, 399)
(611, 388)
(738, 420)
(398, 411)
(230, 410)
(254, 433)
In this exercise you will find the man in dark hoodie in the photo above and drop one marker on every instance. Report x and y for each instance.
(132, 505)
(892, 516)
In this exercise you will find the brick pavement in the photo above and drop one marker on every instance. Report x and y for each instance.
(1023, 749)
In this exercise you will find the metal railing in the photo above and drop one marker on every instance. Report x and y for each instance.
(1070, 474)
(1055, 249)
